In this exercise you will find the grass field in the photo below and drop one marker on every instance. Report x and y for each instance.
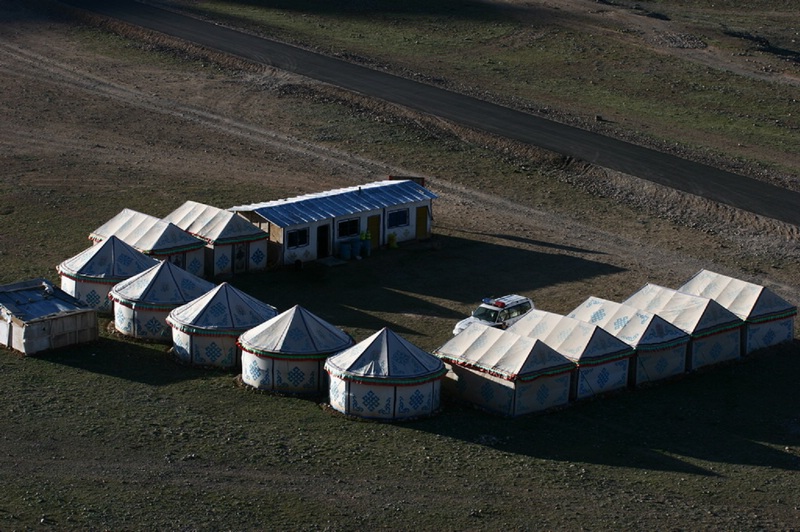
(117, 436)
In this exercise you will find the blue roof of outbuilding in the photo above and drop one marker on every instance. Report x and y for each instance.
(36, 298)
(339, 202)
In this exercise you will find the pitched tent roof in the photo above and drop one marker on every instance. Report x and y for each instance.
(36, 299)
(386, 358)
(224, 310)
(749, 301)
(577, 340)
(162, 286)
(638, 328)
(340, 202)
(147, 233)
(503, 353)
(213, 224)
(295, 333)
(693, 314)
(110, 261)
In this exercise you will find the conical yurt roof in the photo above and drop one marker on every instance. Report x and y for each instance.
(575, 339)
(213, 224)
(693, 314)
(503, 353)
(748, 301)
(162, 286)
(635, 327)
(295, 333)
(147, 233)
(111, 261)
(223, 310)
(387, 358)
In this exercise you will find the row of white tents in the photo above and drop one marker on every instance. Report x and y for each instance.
(546, 360)
(543, 361)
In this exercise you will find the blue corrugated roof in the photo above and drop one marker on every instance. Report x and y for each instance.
(37, 298)
(340, 202)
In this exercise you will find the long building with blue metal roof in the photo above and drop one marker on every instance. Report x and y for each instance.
(347, 221)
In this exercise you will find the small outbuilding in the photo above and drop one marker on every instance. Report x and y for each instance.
(505, 373)
(343, 221)
(715, 332)
(36, 316)
(602, 359)
(768, 318)
(92, 273)
(143, 302)
(288, 352)
(205, 330)
(156, 238)
(385, 377)
(660, 347)
(233, 245)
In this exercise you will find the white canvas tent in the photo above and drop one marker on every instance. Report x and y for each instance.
(36, 316)
(505, 373)
(233, 244)
(156, 238)
(143, 302)
(205, 330)
(768, 318)
(317, 225)
(714, 331)
(660, 347)
(385, 377)
(288, 352)
(602, 359)
(92, 273)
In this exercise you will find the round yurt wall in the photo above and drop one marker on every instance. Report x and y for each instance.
(385, 377)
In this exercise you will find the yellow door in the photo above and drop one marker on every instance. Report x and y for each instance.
(374, 228)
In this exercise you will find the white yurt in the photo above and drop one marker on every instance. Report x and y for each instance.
(143, 302)
(156, 238)
(288, 352)
(505, 373)
(768, 318)
(92, 273)
(661, 347)
(205, 330)
(714, 331)
(233, 244)
(385, 377)
(602, 359)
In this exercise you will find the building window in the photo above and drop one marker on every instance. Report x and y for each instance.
(348, 228)
(397, 218)
(297, 238)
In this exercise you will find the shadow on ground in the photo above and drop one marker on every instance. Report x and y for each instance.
(734, 414)
(433, 279)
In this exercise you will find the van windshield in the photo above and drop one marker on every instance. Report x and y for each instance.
(485, 314)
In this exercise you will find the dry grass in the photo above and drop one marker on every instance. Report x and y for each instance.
(117, 436)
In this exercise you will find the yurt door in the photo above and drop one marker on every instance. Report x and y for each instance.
(240, 257)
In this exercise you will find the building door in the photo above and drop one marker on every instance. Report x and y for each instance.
(374, 228)
(422, 223)
(323, 241)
